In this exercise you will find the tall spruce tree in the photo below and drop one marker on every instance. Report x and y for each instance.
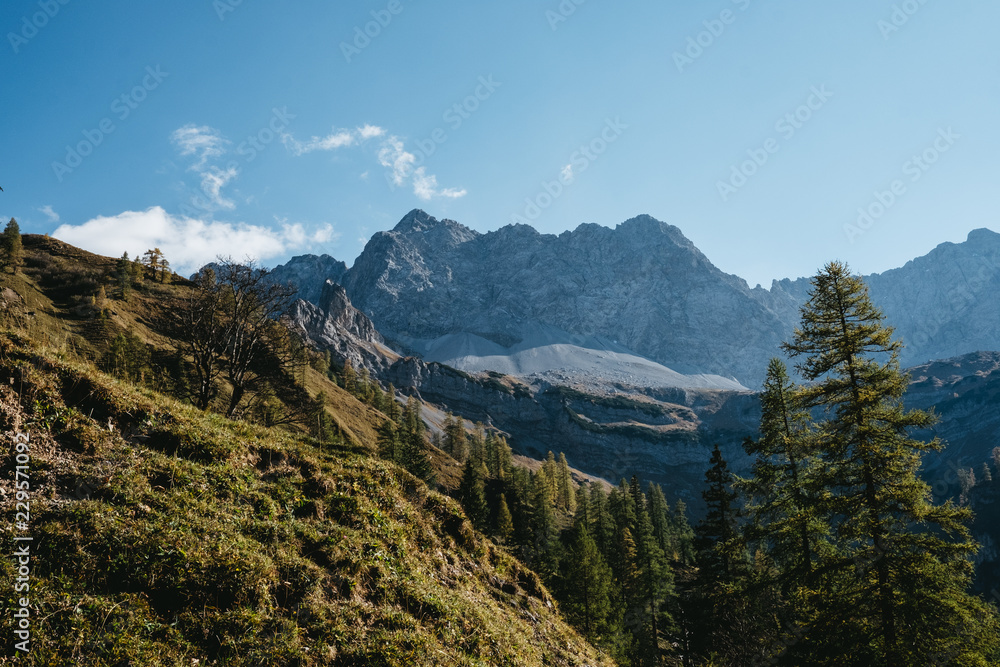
(472, 494)
(10, 244)
(589, 596)
(899, 597)
(412, 447)
(784, 515)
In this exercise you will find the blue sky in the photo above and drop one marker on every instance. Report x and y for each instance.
(273, 129)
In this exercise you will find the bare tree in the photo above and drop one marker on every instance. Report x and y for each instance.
(233, 329)
(204, 335)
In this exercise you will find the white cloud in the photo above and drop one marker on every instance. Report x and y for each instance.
(392, 154)
(212, 182)
(188, 243)
(52, 215)
(204, 142)
(370, 131)
(336, 139)
(567, 173)
(425, 187)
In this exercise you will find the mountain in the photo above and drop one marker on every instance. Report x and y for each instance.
(524, 303)
(942, 304)
(642, 286)
(302, 271)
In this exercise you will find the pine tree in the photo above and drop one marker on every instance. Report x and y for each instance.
(388, 441)
(659, 518)
(588, 603)
(472, 494)
(602, 525)
(567, 490)
(349, 379)
(899, 599)
(455, 441)
(545, 530)
(716, 535)
(412, 450)
(985, 473)
(10, 244)
(123, 276)
(783, 512)
(504, 526)
(392, 409)
(654, 585)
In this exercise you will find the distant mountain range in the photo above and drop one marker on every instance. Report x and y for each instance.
(637, 305)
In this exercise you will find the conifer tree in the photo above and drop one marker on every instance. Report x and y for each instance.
(504, 526)
(659, 517)
(601, 522)
(455, 441)
(123, 276)
(589, 595)
(10, 244)
(900, 598)
(392, 409)
(567, 491)
(349, 378)
(654, 585)
(545, 530)
(477, 444)
(472, 494)
(388, 441)
(412, 447)
(716, 535)
(784, 515)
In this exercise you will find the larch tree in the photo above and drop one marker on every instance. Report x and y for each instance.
(895, 594)
(10, 244)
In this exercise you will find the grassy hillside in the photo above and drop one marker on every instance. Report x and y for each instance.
(163, 535)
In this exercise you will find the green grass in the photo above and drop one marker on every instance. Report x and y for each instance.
(164, 535)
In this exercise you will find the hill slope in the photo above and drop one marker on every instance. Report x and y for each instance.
(163, 535)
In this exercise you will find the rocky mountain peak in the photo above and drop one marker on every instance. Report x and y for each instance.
(442, 232)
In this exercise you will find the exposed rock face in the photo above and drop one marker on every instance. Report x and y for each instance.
(942, 305)
(642, 285)
(309, 273)
(338, 326)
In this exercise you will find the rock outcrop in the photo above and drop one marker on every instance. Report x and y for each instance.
(642, 285)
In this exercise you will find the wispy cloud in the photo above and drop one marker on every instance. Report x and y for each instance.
(189, 243)
(425, 187)
(52, 215)
(400, 163)
(336, 139)
(392, 154)
(203, 142)
(206, 144)
(212, 182)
